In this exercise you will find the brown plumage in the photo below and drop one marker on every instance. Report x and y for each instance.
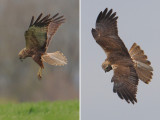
(128, 66)
(38, 37)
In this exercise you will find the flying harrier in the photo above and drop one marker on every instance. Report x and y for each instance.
(128, 66)
(38, 37)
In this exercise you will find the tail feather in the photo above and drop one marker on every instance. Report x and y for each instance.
(136, 50)
(57, 58)
(142, 65)
(140, 57)
(144, 77)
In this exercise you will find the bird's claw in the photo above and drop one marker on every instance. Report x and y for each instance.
(40, 74)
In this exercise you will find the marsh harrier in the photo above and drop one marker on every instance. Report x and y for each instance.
(38, 37)
(128, 66)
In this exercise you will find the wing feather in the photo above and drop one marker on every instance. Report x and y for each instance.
(99, 16)
(105, 23)
(55, 15)
(53, 26)
(108, 14)
(106, 33)
(39, 17)
(41, 31)
(45, 18)
(31, 23)
(125, 83)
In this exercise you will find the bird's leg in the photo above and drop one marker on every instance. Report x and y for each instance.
(39, 73)
(37, 59)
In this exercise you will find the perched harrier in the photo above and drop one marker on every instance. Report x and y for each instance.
(128, 66)
(38, 37)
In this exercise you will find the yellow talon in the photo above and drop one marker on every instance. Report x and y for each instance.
(40, 73)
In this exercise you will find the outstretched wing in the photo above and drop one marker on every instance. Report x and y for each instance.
(106, 33)
(125, 82)
(53, 26)
(41, 31)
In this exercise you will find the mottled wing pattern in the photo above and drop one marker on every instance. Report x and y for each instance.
(106, 23)
(142, 65)
(125, 83)
(38, 34)
(53, 26)
(36, 37)
(106, 33)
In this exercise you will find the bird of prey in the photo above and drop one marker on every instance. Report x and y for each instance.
(38, 37)
(128, 66)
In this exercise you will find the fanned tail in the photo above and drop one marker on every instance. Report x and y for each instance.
(57, 58)
(142, 65)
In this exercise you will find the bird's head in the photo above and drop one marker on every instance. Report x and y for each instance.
(106, 66)
(23, 54)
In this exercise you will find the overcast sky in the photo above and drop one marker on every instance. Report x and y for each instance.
(139, 21)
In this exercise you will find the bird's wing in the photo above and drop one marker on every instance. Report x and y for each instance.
(53, 26)
(106, 33)
(142, 65)
(39, 32)
(125, 82)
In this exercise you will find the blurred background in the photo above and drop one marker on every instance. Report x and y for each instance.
(18, 80)
(139, 21)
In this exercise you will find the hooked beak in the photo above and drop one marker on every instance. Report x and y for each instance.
(109, 67)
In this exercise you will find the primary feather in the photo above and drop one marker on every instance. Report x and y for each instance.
(40, 32)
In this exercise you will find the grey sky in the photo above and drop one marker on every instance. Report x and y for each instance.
(139, 21)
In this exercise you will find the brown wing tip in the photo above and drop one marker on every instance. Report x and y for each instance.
(39, 17)
(32, 19)
(59, 19)
(107, 16)
(125, 94)
(46, 20)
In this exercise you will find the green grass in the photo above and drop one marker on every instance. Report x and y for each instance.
(59, 110)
